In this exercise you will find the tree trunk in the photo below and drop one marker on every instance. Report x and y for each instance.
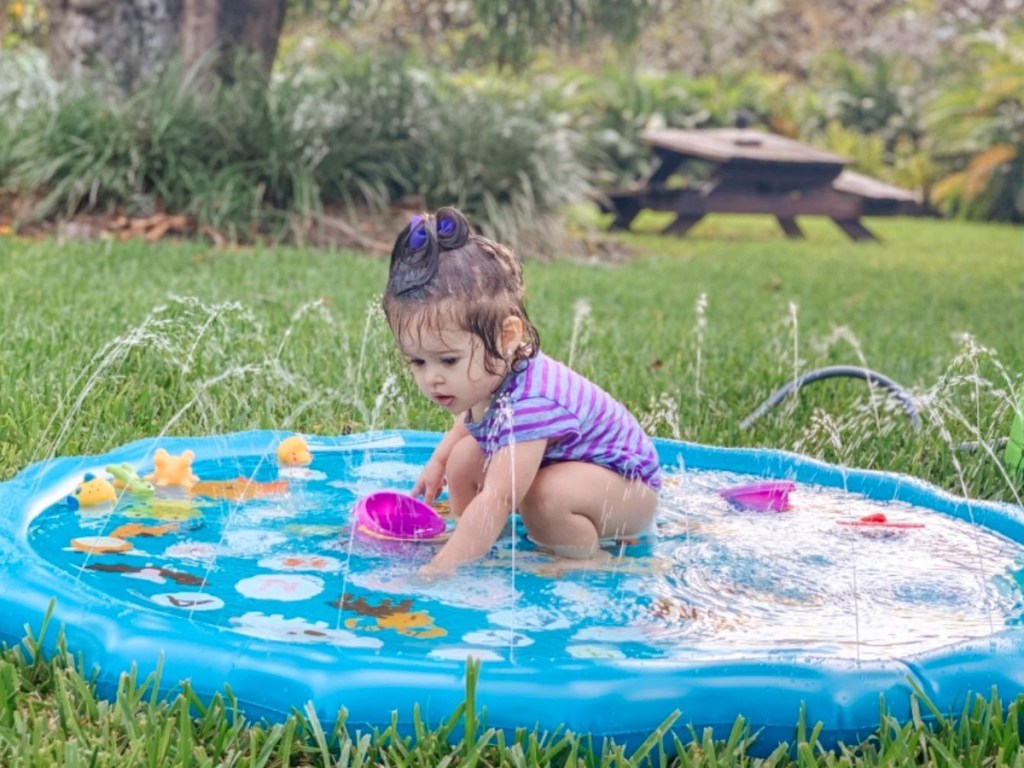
(125, 41)
(215, 32)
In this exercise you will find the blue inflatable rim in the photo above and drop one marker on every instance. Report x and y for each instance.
(620, 699)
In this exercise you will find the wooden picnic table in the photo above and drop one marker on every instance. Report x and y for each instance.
(756, 172)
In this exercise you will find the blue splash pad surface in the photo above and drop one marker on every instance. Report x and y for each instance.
(277, 597)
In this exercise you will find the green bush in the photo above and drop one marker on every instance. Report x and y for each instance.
(364, 132)
(883, 98)
(25, 87)
(979, 124)
(251, 160)
(364, 113)
(610, 109)
(500, 154)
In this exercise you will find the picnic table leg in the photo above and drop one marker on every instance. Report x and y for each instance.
(854, 229)
(625, 212)
(790, 227)
(683, 223)
(669, 164)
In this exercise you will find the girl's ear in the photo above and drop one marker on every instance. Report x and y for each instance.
(511, 334)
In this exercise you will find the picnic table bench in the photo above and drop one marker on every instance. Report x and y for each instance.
(755, 172)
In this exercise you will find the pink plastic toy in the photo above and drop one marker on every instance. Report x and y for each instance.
(393, 515)
(770, 496)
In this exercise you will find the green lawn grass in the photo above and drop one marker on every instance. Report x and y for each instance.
(102, 343)
(107, 342)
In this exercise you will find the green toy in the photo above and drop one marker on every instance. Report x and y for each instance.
(130, 480)
(1014, 456)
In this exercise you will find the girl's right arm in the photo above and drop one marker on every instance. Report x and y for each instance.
(431, 479)
(509, 476)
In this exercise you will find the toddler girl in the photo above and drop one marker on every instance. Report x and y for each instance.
(529, 433)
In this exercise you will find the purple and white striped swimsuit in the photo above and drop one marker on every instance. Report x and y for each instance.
(581, 422)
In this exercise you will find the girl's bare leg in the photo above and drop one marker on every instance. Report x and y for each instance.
(572, 505)
(465, 474)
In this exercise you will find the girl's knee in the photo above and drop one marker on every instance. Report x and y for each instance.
(613, 505)
(547, 495)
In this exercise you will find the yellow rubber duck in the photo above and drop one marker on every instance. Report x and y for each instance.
(293, 452)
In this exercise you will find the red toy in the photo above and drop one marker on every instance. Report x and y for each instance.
(878, 520)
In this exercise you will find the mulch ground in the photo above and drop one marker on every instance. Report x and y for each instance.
(331, 229)
(335, 229)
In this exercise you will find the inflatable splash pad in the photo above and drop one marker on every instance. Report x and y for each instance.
(772, 582)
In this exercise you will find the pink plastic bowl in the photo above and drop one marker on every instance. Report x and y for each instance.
(398, 516)
(770, 496)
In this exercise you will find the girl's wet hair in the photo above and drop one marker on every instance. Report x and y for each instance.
(443, 275)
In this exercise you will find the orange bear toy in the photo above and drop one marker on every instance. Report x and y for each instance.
(172, 470)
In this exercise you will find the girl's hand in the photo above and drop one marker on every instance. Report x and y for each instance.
(430, 482)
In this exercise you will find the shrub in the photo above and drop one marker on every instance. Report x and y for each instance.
(251, 160)
(612, 107)
(883, 98)
(496, 151)
(979, 123)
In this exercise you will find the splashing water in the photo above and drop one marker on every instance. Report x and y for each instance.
(662, 414)
(714, 582)
(794, 326)
(700, 323)
(952, 409)
(210, 358)
(811, 577)
(580, 329)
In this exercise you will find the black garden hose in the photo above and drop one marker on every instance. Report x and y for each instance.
(831, 372)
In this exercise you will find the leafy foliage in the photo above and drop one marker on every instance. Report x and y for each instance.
(22, 21)
(252, 161)
(482, 33)
(883, 97)
(979, 122)
(495, 151)
(515, 30)
(611, 107)
(364, 115)
(340, 131)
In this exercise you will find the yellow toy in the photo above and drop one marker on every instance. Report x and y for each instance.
(293, 452)
(92, 491)
(172, 470)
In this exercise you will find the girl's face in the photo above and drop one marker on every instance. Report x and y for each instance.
(449, 369)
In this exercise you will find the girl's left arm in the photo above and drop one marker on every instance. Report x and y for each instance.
(510, 474)
(431, 479)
